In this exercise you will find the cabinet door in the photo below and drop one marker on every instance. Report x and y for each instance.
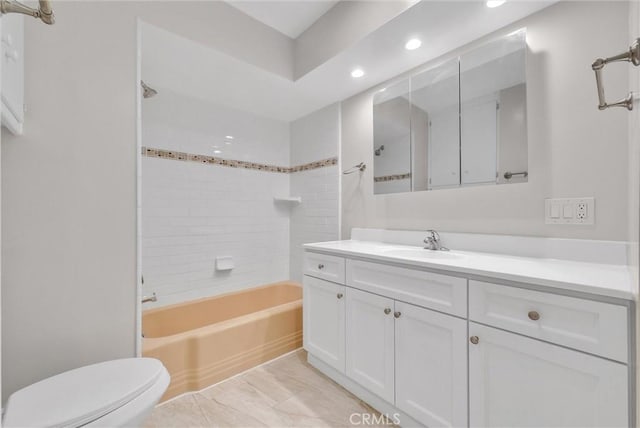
(516, 381)
(370, 342)
(323, 314)
(431, 366)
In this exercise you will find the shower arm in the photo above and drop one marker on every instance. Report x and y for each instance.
(44, 11)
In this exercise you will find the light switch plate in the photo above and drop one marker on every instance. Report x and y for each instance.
(570, 211)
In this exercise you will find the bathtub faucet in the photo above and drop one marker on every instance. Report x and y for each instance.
(152, 298)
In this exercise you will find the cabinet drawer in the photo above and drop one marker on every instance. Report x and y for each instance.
(323, 266)
(595, 327)
(430, 290)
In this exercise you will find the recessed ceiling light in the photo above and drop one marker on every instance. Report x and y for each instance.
(358, 72)
(229, 137)
(217, 152)
(382, 90)
(228, 143)
(495, 3)
(413, 44)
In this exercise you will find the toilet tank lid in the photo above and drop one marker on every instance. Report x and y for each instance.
(79, 396)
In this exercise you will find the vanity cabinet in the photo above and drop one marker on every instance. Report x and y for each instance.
(370, 342)
(324, 321)
(445, 350)
(516, 381)
(408, 355)
(431, 366)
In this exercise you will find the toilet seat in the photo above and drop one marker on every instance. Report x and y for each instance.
(83, 395)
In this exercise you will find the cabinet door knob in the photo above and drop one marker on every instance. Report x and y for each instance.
(397, 314)
(320, 266)
(340, 295)
(387, 311)
(474, 339)
(534, 316)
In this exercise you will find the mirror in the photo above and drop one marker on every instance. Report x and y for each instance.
(460, 123)
(493, 125)
(436, 131)
(392, 139)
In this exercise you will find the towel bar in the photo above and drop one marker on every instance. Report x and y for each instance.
(632, 56)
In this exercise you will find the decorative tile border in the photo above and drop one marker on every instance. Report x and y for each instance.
(231, 163)
(394, 177)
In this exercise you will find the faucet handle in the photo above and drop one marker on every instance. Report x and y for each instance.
(433, 241)
(435, 236)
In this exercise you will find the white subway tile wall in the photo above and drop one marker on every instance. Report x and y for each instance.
(315, 136)
(193, 212)
(316, 218)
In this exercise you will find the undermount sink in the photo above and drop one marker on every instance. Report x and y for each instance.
(420, 253)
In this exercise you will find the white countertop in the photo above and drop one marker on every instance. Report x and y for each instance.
(594, 278)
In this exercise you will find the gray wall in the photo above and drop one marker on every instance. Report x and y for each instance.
(634, 185)
(574, 150)
(342, 26)
(69, 183)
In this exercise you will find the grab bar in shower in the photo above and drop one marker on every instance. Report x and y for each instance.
(43, 12)
(633, 56)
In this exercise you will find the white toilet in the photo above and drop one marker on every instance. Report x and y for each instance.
(118, 393)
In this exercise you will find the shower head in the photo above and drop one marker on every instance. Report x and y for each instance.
(379, 150)
(147, 91)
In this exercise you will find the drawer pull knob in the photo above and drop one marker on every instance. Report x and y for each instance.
(340, 295)
(320, 266)
(474, 339)
(387, 311)
(534, 316)
(397, 314)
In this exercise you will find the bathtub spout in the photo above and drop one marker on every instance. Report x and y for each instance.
(152, 298)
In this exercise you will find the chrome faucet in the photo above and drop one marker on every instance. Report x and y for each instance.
(152, 298)
(433, 241)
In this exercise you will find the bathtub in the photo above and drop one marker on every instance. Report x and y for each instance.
(204, 341)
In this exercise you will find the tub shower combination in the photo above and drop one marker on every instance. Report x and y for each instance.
(205, 341)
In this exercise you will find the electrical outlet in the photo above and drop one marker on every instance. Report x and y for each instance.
(581, 211)
(570, 211)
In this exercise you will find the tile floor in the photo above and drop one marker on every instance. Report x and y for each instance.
(286, 392)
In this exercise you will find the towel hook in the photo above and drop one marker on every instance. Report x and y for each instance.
(632, 56)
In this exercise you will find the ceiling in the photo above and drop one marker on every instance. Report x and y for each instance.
(186, 67)
(291, 18)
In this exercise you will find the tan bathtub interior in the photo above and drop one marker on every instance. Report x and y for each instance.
(205, 341)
